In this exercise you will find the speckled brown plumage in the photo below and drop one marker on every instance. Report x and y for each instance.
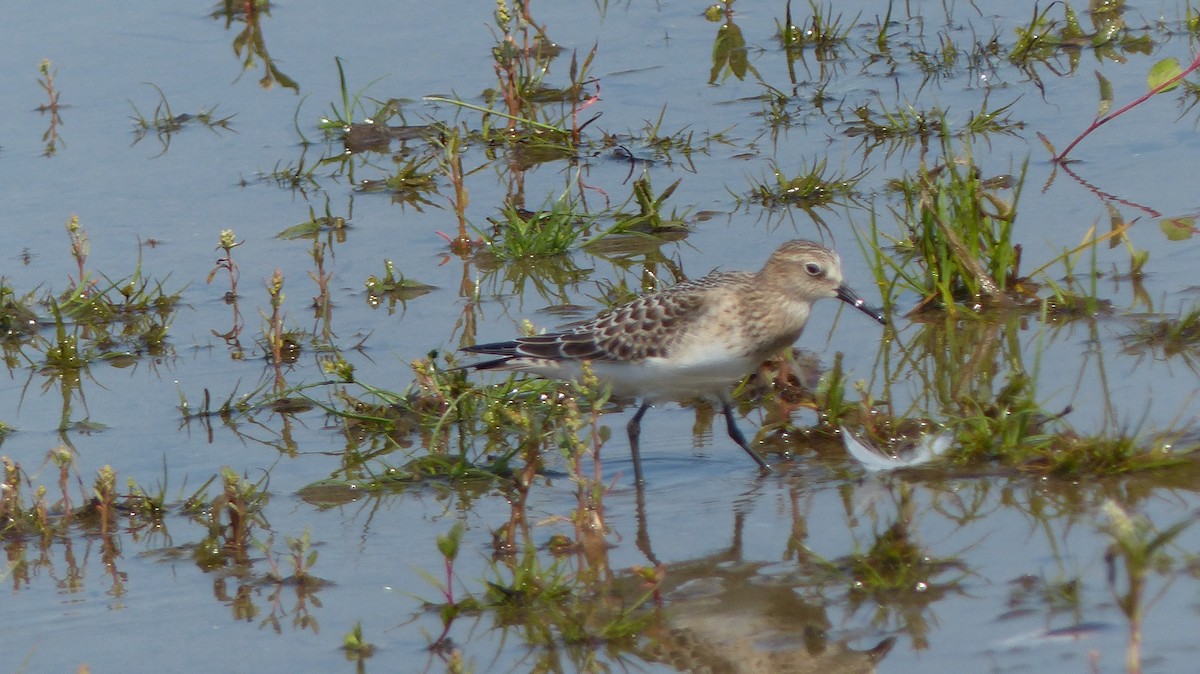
(695, 339)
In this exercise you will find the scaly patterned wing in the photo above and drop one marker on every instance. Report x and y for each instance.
(647, 327)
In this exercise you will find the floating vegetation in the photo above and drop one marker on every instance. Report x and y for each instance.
(822, 31)
(1168, 338)
(164, 123)
(906, 127)
(814, 187)
(649, 220)
(393, 287)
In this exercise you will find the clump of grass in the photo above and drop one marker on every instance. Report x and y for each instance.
(823, 31)
(556, 609)
(299, 176)
(665, 144)
(905, 123)
(958, 235)
(975, 386)
(1056, 595)
(1057, 45)
(412, 183)
(1070, 454)
(992, 120)
(524, 590)
(468, 434)
(906, 126)
(340, 120)
(64, 354)
(1014, 431)
(940, 61)
(895, 565)
(814, 187)
(520, 234)
(132, 314)
(521, 61)
(465, 435)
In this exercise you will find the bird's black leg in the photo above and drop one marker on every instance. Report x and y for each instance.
(736, 434)
(635, 430)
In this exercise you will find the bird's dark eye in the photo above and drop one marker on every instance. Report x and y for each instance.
(813, 269)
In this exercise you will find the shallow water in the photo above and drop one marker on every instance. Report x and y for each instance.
(999, 548)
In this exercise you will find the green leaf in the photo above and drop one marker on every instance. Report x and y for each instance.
(1162, 71)
(1178, 229)
(304, 230)
(1106, 94)
(448, 544)
(729, 49)
(1137, 260)
(739, 60)
(1072, 30)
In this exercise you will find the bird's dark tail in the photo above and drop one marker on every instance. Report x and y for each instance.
(487, 364)
(506, 350)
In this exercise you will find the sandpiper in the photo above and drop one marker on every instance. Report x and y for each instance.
(693, 340)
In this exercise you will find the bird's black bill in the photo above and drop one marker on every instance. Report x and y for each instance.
(845, 294)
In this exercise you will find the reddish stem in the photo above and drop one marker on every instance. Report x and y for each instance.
(1108, 118)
